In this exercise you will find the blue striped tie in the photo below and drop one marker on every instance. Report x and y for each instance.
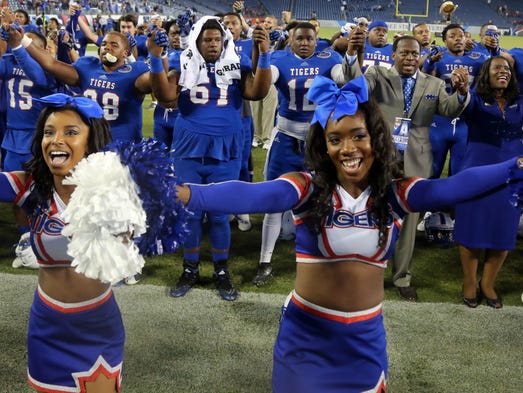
(408, 90)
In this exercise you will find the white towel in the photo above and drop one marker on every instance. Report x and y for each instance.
(194, 68)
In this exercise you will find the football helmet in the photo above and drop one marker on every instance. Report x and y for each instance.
(439, 229)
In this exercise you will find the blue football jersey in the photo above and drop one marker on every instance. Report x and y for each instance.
(295, 77)
(377, 56)
(471, 61)
(517, 54)
(116, 94)
(210, 110)
(22, 110)
(244, 46)
(173, 57)
(141, 47)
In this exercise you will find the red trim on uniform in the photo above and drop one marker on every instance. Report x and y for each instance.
(82, 381)
(100, 370)
(22, 188)
(404, 187)
(332, 317)
(41, 250)
(341, 258)
(70, 310)
(41, 389)
(337, 199)
(302, 191)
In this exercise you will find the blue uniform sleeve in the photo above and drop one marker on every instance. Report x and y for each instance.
(238, 197)
(7, 192)
(31, 67)
(435, 194)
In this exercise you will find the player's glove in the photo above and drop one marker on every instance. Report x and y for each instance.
(161, 39)
(434, 49)
(132, 40)
(278, 35)
(185, 18)
(345, 29)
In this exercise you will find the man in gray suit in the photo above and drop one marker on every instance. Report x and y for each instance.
(410, 118)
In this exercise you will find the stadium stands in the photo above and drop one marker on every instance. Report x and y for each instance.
(470, 12)
(503, 13)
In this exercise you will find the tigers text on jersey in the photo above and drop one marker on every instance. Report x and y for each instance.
(374, 56)
(349, 233)
(471, 61)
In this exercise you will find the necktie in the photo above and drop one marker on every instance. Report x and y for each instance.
(408, 90)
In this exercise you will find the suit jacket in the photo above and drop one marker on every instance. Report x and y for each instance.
(428, 99)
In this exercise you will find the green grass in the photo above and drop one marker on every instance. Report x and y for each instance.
(436, 272)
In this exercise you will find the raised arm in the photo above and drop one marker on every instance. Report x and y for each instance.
(239, 7)
(164, 86)
(32, 69)
(355, 50)
(256, 87)
(74, 11)
(61, 71)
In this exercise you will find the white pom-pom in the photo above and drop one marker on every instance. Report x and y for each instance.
(103, 211)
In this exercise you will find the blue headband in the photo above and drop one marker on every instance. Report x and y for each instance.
(339, 102)
(377, 23)
(85, 106)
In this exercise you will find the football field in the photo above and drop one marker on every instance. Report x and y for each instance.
(202, 344)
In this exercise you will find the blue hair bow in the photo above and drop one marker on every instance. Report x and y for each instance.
(85, 106)
(339, 102)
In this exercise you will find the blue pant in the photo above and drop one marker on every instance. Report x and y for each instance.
(248, 133)
(163, 126)
(285, 155)
(447, 135)
(205, 171)
(15, 161)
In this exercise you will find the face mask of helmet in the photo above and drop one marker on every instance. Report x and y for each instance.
(439, 229)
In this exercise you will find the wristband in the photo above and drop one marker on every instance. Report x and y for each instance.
(26, 41)
(156, 65)
(18, 47)
(264, 60)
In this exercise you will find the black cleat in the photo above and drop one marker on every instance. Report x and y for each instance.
(186, 281)
(263, 274)
(224, 285)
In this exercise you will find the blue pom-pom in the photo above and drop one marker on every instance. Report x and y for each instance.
(152, 169)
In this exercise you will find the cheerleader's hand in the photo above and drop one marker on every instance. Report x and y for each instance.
(519, 166)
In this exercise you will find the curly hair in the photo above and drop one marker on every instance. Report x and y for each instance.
(486, 92)
(384, 168)
(99, 136)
